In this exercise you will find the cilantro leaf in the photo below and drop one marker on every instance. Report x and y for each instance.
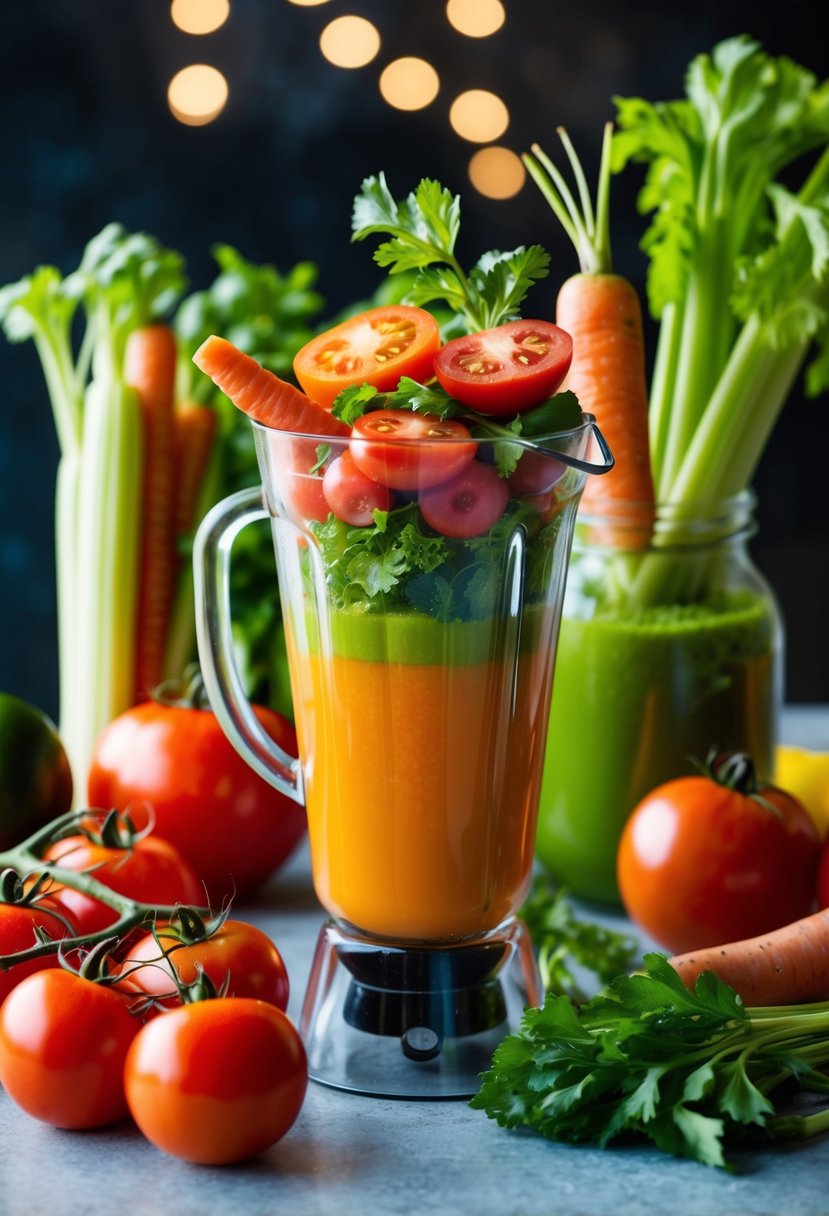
(501, 281)
(352, 402)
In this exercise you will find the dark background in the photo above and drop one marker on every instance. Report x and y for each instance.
(88, 138)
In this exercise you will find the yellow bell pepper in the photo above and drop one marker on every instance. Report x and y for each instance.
(805, 773)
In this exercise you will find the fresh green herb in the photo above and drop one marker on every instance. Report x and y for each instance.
(423, 230)
(79, 325)
(689, 1071)
(568, 945)
(739, 269)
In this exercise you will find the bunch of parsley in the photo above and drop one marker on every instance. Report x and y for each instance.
(687, 1070)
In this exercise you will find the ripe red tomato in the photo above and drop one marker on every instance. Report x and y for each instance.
(63, 1042)
(469, 504)
(407, 460)
(702, 862)
(152, 871)
(18, 922)
(375, 347)
(505, 370)
(232, 826)
(351, 495)
(823, 876)
(236, 951)
(217, 1081)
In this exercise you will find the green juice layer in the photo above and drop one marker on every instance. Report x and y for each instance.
(633, 699)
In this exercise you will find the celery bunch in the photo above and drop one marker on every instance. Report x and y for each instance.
(79, 325)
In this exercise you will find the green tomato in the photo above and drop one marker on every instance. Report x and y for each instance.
(35, 778)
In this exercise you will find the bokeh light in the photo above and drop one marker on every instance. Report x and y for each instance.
(199, 16)
(479, 116)
(197, 94)
(350, 42)
(307, 3)
(409, 83)
(496, 172)
(476, 18)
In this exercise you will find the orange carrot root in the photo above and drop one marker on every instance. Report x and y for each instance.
(195, 428)
(262, 395)
(149, 368)
(785, 967)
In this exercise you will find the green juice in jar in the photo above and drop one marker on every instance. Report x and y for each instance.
(635, 698)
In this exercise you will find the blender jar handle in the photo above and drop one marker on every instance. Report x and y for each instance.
(211, 567)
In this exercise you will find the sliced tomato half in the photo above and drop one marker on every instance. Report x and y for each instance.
(505, 370)
(409, 451)
(374, 347)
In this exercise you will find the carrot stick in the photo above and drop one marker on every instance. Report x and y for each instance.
(602, 313)
(194, 428)
(149, 368)
(262, 395)
(785, 967)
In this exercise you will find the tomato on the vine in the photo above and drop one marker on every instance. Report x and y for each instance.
(19, 921)
(469, 504)
(63, 1043)
(237, 953)
(506, 370)
(216, 1081)
(351, 495)
(374, 347)
(151, 871)
(410, 451)
(710, 859)
(232, 826)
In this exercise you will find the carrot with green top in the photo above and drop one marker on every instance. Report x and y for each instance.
(149, 368)
(262, 395)
(602, 313)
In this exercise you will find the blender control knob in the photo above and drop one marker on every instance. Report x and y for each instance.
(420, 1043)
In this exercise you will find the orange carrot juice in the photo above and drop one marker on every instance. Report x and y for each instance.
(423, 744)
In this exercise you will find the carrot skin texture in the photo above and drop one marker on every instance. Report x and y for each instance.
(149, 368)
(195, 428)
(786, 967)
(260, 394)
(603, 315)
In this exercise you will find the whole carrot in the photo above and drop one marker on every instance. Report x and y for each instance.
(149, 368)
(260, 394)
(194, 428)
(785, 967)
(602, 313)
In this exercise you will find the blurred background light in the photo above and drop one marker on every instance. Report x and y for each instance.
(307, 3)
(409, 83)
(199, 16)
(479, 116)
(496, 172)
(350, 42)
(476, 18)
(197, 94)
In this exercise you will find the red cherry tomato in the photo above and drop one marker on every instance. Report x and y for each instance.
(217, 1081)
(469, 504)
(701, 863)
(375, 347)
(63, 1042)
(351, 495)
(823, 877)
(410, 451)
(233, 827)
(237, 952)
(152, 871)
(18, 922)
(505, 370)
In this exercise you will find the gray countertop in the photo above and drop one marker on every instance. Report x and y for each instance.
(356, 1156)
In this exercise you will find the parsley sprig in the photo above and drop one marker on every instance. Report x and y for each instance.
(688, 1070)
(422, 232)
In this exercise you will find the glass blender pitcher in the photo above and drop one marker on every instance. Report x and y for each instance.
(421, 667)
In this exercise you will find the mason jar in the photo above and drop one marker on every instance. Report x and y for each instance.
(671, 645)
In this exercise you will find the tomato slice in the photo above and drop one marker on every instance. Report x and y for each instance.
(408, 451)
(505, 370)
(375, 347)
(469, 504)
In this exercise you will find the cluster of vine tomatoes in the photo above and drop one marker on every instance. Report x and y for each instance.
(182, 1027)
(393, 452)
